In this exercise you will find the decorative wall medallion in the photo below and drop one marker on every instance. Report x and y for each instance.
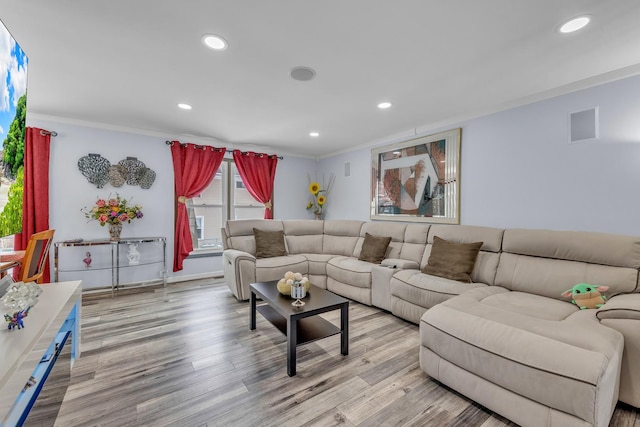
(117, 175)
(99, 171)
(132, 165)
(146, 177)
(95, 168)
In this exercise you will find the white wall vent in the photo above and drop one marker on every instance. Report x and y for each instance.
(583, 125)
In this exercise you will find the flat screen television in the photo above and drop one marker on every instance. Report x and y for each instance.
(13, 109)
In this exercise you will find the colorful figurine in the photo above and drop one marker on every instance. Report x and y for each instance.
(15, 321)
(87, 260)
(587, 296)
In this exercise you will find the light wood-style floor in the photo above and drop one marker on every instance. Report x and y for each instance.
(184, 356)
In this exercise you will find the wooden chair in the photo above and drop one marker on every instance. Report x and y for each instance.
(35, 256)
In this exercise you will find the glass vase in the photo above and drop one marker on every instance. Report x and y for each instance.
(114, 232)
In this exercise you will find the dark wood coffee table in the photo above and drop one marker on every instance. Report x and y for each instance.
(300, 325)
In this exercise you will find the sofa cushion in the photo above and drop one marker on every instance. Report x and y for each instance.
(550, 277)
(547, 263)
(413, 292)
(350, 270)
(487, 262)
(240, 232)
(318, 263)
(452, 260)
(269, 243)
(340, 236)
(273, 268)
(588, 247)
(623, 307)
(543, 349)
(303, 236)
(383, 229)
(374, 248)
(414, 242)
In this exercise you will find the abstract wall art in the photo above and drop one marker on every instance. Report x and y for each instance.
(417, 180)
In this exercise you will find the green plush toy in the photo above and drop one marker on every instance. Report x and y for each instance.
(586, 295)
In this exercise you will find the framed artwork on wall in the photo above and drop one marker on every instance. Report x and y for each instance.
(417, 180)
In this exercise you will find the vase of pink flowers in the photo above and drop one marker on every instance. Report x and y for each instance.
(114, 212)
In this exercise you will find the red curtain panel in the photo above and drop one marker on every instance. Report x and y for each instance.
(194, 167)
(35, 197)
(258, 172)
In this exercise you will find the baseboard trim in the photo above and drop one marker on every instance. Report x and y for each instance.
(184, 278)
(155, 284)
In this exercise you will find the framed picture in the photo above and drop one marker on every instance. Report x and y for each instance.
(417, 180)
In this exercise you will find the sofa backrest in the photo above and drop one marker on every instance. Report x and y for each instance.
(240, 232)
(383, 229)
(486, 265)
(547, 262)
(304, 236)
(340, 236)
(415, 242)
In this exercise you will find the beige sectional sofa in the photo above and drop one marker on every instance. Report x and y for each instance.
(508, 339)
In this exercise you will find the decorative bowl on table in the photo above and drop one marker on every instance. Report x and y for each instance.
(294, 285)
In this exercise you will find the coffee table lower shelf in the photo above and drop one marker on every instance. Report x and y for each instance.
(309, 328)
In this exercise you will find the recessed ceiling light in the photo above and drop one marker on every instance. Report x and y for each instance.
(314, 134)
(185, 106)
(384, 105)
(214, 41)
(574, 24)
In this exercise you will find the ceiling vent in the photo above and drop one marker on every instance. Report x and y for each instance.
(302, 74)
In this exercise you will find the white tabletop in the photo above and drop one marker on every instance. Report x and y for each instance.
(22, 349)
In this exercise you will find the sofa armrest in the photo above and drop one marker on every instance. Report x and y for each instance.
(626, 306)
(622, 313)
(239, 271)
(224, 236)
(381, 280)
(234, 254)
(402, 264)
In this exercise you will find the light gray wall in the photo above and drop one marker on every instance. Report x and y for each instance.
(350, 196)
(290, 193)
(518, 169)
(70, 191)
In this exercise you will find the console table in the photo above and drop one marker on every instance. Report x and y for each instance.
(115, 259)
(31, 352)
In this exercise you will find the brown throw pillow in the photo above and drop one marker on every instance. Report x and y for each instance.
(452, 260)
(374, 248)
(269, 243)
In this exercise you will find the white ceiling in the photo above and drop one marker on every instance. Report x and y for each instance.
(127, 64)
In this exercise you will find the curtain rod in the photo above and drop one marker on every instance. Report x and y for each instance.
(261, 154)
(218, 149)
(201, 147)
(48, 132)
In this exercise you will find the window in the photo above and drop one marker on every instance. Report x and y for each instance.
(200, 227)
(225, 198)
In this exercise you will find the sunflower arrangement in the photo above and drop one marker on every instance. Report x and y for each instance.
(318, 196)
